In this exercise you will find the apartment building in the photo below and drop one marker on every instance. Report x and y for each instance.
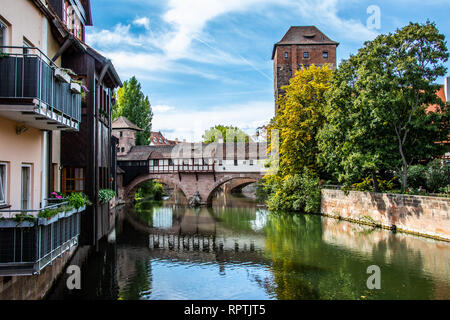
(56, 95)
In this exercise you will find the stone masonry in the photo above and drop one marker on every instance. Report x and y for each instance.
(204, 183)
(425, 216)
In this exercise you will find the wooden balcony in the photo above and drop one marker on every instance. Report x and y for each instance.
(35, 92)
(183, 168)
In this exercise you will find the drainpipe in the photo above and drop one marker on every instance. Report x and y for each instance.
(44, 179)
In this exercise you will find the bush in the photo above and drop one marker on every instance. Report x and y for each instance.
(78, 200)
(300, 192)
(417, 176)
(150, 189)
(104, 195)
(158, 191)
(437, 176)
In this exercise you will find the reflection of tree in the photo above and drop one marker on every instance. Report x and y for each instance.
(138, 283)
(305, 267)
(291, 240)
(237, 219)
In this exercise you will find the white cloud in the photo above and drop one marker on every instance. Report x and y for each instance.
(186, 24)
(162, 108)
(191, 124)
(119, 36)
(327, 11)
(144, 21)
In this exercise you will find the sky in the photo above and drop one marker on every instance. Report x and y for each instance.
(208, 62)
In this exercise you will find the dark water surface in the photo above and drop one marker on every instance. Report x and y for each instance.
(237, 250)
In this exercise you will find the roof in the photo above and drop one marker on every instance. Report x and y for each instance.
(441, 95)
(157, 138)
(143, 153)
(191, 150)
(304, 35)
(123, 123)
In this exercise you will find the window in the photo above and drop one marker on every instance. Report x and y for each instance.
(73, 180)
(26, 45)
(286, 55)
(2, 183)
(235, 162)
(26, 187)
(123, 149)
(3, 35)
(325, 54)
(121, 134)
(306, 55)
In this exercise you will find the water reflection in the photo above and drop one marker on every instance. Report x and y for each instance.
(167, 251)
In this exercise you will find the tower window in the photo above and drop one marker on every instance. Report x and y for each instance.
(121, 134)
(286, 55)
(306, 55)
(325, 54)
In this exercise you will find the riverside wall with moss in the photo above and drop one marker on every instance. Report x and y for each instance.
(419, 215)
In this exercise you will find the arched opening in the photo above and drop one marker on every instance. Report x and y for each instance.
(227, 185)
(172, 192)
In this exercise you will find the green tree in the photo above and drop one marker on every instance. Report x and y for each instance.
(227, 133)
(300, 116)
(135, 106)
(377, 109)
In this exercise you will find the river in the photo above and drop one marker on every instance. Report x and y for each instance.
(238, 250)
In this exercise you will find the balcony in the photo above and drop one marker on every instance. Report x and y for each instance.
(29, 245)
(35, 92)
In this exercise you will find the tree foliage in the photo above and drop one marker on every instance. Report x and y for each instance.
(377, 116)
(227, 133)
(135, 106)
(300, 116)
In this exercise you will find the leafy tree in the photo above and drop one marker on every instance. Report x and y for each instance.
(300, 116)
(299, 192)
(377, 118)
(227, 133)
(132, 104)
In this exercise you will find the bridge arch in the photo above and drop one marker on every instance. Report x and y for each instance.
(205, 184)
(131, 188)
(245, 179)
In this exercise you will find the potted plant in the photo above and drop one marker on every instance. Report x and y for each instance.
(75, 87)
(62, 75)
(104, 195)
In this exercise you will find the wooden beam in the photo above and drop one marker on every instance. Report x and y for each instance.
(63, 48)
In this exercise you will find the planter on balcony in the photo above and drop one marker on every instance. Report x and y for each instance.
(75, 87)
(61, 75)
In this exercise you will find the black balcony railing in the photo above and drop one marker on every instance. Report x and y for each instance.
(27, 247)
(27, 73)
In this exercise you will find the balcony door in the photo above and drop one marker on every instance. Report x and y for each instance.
(26, 187)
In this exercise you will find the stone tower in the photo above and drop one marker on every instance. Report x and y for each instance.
(300, 46)
(124, 130)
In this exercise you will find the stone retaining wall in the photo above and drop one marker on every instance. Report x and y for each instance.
(425, 216)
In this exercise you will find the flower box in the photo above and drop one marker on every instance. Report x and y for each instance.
(75, 87)
(61, 75)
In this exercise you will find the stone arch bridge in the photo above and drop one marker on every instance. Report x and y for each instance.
(189, 183)
(198, 173)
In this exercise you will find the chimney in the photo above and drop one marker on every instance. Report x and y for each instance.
(447, 89)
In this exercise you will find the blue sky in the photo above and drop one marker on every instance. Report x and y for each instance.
(207, 62)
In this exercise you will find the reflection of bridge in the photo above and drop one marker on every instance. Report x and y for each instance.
(201, 169)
